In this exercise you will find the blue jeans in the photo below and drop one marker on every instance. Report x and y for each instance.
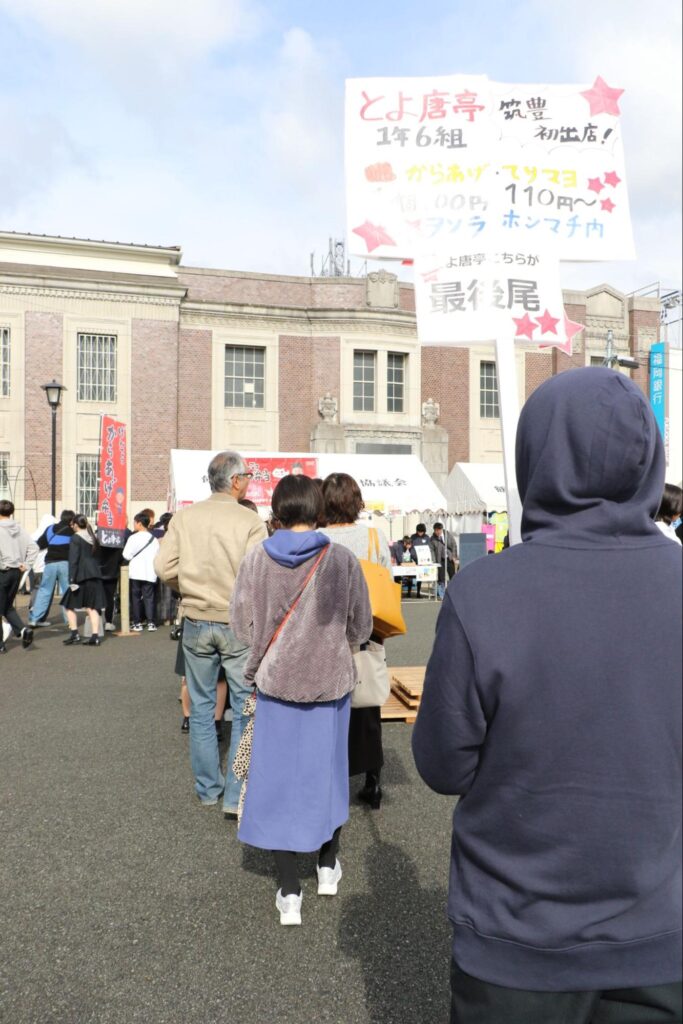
(207, 646)
(53, 573)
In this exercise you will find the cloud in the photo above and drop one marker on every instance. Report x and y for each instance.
(38, 149)
(141, 45)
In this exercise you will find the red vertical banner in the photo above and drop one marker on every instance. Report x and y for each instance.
(112, 496)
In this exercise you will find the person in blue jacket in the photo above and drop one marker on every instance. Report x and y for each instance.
(55, 542)
(552, 706)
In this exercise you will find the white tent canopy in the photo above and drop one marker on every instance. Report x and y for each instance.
(393, 485)
(474, 487)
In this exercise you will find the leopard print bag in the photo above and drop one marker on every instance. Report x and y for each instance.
(242, 760)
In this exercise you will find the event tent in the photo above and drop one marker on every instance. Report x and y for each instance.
(392, 485)
(476, 487)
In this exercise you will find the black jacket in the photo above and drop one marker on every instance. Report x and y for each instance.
(83, 564)
(56, 539)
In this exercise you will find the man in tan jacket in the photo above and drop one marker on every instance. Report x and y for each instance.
(200, 556)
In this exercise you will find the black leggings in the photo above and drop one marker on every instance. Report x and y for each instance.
(286, 866)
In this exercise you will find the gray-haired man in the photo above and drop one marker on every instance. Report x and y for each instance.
(200, 556)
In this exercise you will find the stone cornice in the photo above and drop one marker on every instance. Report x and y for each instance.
(163, 296)
(299, 321)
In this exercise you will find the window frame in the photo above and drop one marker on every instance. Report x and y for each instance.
(365, 386)
(258, 395)
(87, 508)
(396, 402)
(88, 389)
(489, 399)
(5, 489)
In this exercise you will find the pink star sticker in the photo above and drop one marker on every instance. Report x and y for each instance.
(570, 329)
(525, 327)
(595, 185)
(373, 235)
(607, 204)
(602, 99)
(547, 323)
(612, 178)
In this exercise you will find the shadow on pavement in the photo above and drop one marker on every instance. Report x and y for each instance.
(400, 935)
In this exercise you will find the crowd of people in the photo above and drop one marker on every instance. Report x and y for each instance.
(551, 703)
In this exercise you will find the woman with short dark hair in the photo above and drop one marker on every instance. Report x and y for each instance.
(299, 603)
(669, 515)
(343, 505)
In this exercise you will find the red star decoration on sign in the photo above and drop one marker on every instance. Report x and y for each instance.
(373, 235)
(612, 178)
(602, 99)
(607, 204)
(524, 327)
(570, 329)
(595, 185)
(547, 323)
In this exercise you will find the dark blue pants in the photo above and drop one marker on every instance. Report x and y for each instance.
(480, 1002)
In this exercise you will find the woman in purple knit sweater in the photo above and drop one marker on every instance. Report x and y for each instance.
(297, 797)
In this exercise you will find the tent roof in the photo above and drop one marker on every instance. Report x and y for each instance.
(391, 484)
(476, 487)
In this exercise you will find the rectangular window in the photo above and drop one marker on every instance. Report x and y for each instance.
(597, 360)
(364, 381)
(87, 472)
(4, 362)
(96, 363)
(244, 377)
(488, 391)
(4, 476)
(396, 381)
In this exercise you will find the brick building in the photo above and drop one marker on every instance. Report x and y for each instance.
(196, 358)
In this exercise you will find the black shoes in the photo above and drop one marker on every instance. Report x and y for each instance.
(371, 793)
(73, 638)
(185, 727)
(26, 637)
(94, 641)
(3, 648)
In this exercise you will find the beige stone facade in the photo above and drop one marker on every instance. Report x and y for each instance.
(171, 326)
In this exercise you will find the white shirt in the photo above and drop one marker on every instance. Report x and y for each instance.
(668, 530)
(141, 565)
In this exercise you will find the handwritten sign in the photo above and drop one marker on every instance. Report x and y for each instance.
(436, 164)
(480, 296)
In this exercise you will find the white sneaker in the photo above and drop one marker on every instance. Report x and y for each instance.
(109, 627)
(136, 628)
(328, 879)
(151, 628)
(289, 907)
(6, 631)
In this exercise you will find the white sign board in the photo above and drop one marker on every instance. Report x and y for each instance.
(437, 164)
(480, 296)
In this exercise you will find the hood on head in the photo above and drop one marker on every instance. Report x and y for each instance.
(291, 548)
(11, 526)
(590, 460)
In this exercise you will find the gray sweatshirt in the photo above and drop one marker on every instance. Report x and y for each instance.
(17, 548)
(310, 661)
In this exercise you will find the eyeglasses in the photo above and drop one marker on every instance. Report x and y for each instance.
(249, 476)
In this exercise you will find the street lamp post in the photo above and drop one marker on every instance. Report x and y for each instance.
(613, 359)
(53, 393)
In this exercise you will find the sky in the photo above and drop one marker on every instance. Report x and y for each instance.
(217, 125)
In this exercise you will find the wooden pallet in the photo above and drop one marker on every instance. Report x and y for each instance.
(408, 684)
(395, 711)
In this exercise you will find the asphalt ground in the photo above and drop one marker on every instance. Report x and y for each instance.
(122, 899)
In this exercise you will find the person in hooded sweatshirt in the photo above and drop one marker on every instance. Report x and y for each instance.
(560, 729)
(18, 552)
(300, 602)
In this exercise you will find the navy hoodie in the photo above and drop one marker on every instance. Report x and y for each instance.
(552, 704)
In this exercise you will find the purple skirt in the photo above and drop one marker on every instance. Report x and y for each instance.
(298, 788)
